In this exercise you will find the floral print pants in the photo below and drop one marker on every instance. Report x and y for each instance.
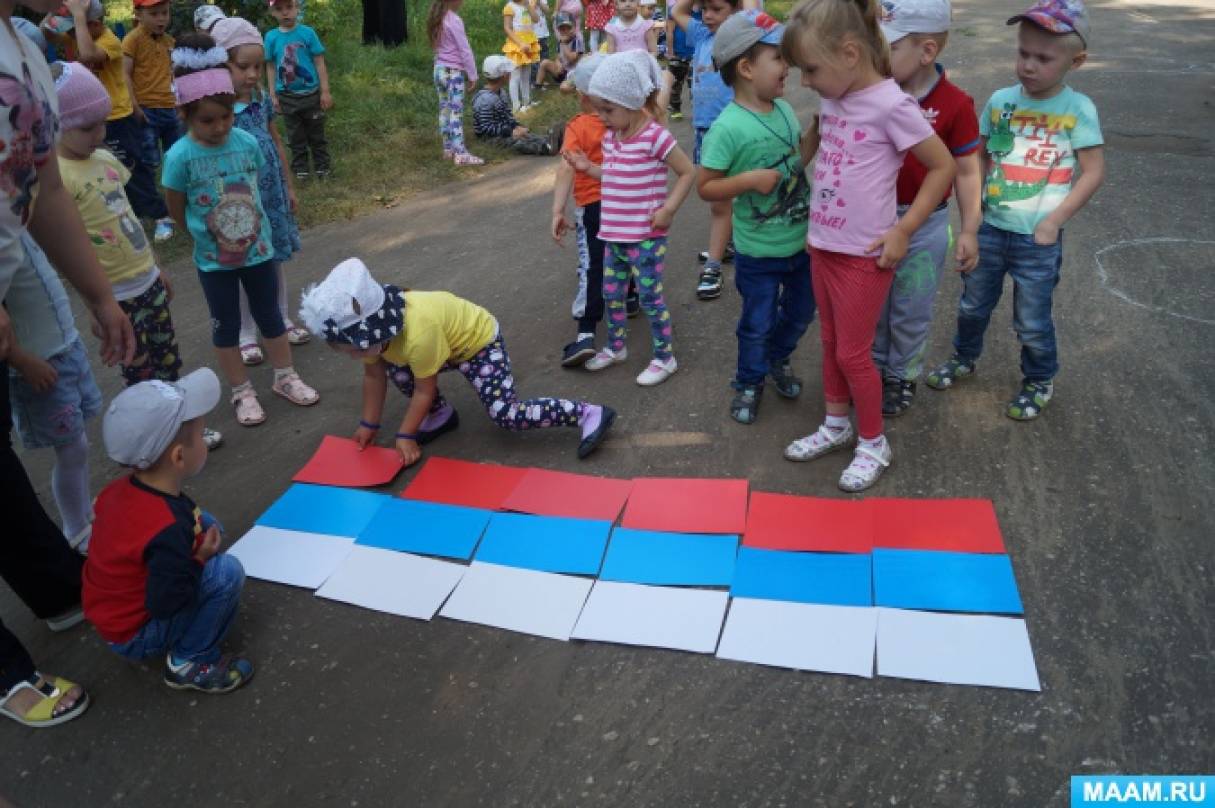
(643, 259)
(449, 83)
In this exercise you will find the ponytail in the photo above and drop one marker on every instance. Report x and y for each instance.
(879, 48)
(822, 26)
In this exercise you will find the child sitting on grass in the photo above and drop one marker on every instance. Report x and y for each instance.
(569, 50)
(492, 118)
(155, 582)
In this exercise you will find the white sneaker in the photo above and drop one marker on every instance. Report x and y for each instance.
(657, 372)
(164, 230)
(867, 465)
(212, 438)
(816, 444)
(605, 358)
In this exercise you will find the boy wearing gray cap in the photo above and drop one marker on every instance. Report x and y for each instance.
(753, 155)
(155, 581)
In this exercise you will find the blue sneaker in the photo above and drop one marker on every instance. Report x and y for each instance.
(578, 351)
(223, 676)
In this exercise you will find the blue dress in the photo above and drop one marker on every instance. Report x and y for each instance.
(256, 118)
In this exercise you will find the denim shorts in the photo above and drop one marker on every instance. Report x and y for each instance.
(56, 417)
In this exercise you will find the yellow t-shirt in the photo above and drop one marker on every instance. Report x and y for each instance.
(152, 71)
(118, 238)
(439, 327)
(112, 77)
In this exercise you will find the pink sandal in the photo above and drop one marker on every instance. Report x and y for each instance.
(249, 410)
(251, 354)
(298, 335)
(292, 388)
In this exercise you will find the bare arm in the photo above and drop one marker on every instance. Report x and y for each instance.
(715, 186)
(128, 72)
(934, 155)
(678, 162)
(968, 186)
(270, 81)
(424, 392)
(1092, 174)
(375, 387)
(508, 25)
(810, 142)
(563, 184)
(175, 201)
(322, 74)
(651, 42)
(681, 13)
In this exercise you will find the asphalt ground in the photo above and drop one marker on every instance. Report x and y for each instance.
(1105, 503)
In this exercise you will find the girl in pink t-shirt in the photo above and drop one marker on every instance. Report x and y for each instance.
(635, 209)
(628, 30)
(865, 127)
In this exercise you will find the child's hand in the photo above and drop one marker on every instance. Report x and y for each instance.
(278, 110)
(578, 160)
(292, 199)
(209, 545)
(76, 7)
(364, 437)
(894, 246)
(37, 372)
(561, 226)
(518, 131)
(764, 180)
(662, 218)
(967, 252)
(326, 101)
(1046, 233)
(410, 451)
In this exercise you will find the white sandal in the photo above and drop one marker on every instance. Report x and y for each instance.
(249, 410)
(818, 443)
(866, 467)
(292, 388)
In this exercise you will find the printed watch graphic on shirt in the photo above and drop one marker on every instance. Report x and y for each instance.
(1023, 160)
(235, 223)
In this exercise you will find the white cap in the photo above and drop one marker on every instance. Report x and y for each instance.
(900, 18)
(347, 296)
(496, 66)
(143, 419)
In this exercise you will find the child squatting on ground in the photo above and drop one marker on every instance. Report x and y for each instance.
(155, 582)
(636, 209)
(917, 31)
(865, 127)
(754, 154)
(299, 88)
(1035, 135)
(493, 120)
(409, 338)
(211, 183)
(454, 62)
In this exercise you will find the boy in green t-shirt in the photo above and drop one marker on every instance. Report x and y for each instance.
(754, 155)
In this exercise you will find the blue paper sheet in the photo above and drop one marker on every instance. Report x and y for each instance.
(545, 543)
(945, 581)
(837, 579)
(669, 559)
(323, 509)
(429, 528)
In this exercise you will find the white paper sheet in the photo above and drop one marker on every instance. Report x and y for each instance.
(527, 601)
(803, 636)
(290, 556)
(956, 649)
(659, 616)
(393, 582)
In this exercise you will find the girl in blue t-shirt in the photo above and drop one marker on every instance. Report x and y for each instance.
(211, 186)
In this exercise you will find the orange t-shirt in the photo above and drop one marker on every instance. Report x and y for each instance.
(584, 133)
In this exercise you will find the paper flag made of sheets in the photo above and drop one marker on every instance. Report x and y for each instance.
(706, 566)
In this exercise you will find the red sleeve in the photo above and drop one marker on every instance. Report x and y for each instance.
(962, 138)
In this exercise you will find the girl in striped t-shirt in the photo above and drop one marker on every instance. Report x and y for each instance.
(636, 209)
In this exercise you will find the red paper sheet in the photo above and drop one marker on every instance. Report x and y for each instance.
(962, 525)
(680, 505)
(338, 461)
(579, 496)
(459, 482)
(782, 522)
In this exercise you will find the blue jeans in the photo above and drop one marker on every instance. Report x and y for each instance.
(1035, 272)
(194, 633)
(161, 129)
(777, 308)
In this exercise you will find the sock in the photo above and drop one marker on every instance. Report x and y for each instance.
(713, 263)
(836, 423)
(70, 485)
(282, 373)
(436, 419)
(873, 443)
(242, 387)
(592, 416)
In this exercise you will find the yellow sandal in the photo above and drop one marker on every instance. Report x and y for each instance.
(52, 692)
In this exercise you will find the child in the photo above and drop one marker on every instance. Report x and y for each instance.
(255, 115)
(856, 237)
(569, 50)
(145, 58)
(205, 17)
(679, 56)
(636, 209)
(521, 48)
(710, 95)
(211, 181)
(95, 45)
(630, 31)
(52, 387)
(751, 156)
(540, 29)
(494, 122)
(1035, 135)
(411, 337)
(453, 61)
(646, 9)
(573, 9)
(917, 31)
(94, 178)
(155, 582)
(598, 14)
(299, 88)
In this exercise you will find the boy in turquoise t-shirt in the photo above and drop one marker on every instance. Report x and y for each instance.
(753, 155)
(299, 87)
(1036, 135)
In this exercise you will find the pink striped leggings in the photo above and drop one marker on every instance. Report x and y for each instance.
(850, 291)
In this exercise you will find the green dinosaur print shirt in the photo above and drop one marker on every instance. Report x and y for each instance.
(1032, 144)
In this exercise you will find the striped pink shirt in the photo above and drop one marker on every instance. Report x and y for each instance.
(634, 183)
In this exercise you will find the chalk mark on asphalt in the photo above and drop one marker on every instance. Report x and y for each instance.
(1104, 278)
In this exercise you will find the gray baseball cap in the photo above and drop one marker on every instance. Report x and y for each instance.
(143, 419)
(742, 30)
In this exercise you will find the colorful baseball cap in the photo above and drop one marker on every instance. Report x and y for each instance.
(1057, 17)
(741, 31)
(61, 21)
(900, 18)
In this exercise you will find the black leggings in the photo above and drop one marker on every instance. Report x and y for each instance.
(221, 287)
